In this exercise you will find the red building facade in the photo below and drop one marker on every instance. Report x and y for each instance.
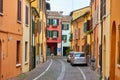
(54, 25)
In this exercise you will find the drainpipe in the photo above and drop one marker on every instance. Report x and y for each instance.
(30, 36)
(101, 42)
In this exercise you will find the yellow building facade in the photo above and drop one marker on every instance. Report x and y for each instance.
(26, 36)
(105, 23)
(40, 31)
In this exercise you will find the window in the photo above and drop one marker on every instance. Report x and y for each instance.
(65, 26)
(64, 37)
(1, 6)
(103, 8)
(55, 22)
(18, 52)
(26, 20)
(26, 50)
(48, 34)
(19, 11)
(54, 34)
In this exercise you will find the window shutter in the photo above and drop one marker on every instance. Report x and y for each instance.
(57, 22)
(19, 10)
(62, 26)
(48, 21)
(51, 21)
(51, 33)
(67, 26)
(1, 6)
(57, 33)
(26, 14)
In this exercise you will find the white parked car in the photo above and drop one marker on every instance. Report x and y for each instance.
(78, 58)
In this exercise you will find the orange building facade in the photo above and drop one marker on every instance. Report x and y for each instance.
(115, 41)
(10, 38)
(81, 24)
(95, 37)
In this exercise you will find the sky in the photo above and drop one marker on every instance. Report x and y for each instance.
(67, 5)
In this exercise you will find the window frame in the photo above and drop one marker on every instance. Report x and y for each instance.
(57, 22)
(56, 35)
(65, 25)
(26, 51)
(17, 52)
(65, 37)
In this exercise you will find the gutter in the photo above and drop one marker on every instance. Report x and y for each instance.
(30, 36)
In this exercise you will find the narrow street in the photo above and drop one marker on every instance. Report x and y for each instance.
(60, 69)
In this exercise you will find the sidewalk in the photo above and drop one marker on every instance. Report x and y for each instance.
(32, 74)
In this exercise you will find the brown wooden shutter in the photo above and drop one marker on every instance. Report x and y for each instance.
(1, 6)
(19, 10)
(27, 15)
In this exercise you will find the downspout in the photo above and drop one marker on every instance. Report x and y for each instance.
(30, 36)
(101, 42)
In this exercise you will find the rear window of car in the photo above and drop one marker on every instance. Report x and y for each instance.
(79, 55)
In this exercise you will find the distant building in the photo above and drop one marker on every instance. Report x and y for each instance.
(65, 34)
(54, 26)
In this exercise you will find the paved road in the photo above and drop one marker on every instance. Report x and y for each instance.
(60, 69)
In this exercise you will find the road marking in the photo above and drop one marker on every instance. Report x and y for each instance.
(82, 73)
(44, 71)
(62, 72)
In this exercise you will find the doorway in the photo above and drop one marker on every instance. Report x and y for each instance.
(64, 50)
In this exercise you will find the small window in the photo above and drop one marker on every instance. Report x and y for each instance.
(26, 50)
(1, 6)
(18, 52)
(54, 34)
(19, 11)
(65, 26)
(55, 22)
(64, 37)
(27, 11)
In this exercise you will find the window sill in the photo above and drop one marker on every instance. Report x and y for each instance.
(19, 22)
(1, 14)
(26, 63)
(26, 25)
(118, 65)
(54, 38)
(18, 65)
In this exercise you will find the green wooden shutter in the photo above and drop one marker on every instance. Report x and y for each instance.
(57, 22)
(67, 26)
(57, 33)
(51, 22)
(48, 21)
(62, 37)
(51, 33)
(62, 26)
